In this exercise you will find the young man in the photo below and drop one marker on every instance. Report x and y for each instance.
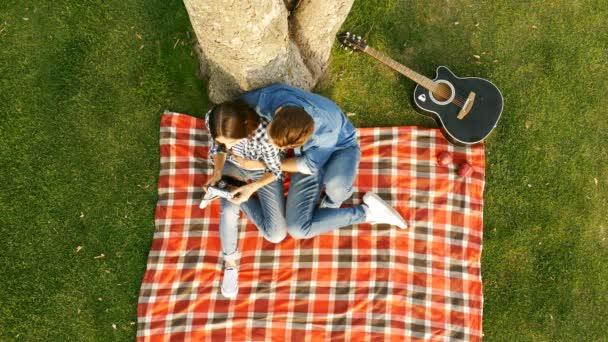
(326, 155)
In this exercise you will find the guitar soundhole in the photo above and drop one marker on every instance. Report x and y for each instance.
(442, 92)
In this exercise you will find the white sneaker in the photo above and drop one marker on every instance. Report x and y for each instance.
(230, 283)
(378, 211)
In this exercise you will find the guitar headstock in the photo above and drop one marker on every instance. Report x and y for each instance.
(351, 41)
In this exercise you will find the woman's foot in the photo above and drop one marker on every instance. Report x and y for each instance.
(230, 282)
(378, 211)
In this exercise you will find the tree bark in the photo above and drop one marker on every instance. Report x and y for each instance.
(247, 44)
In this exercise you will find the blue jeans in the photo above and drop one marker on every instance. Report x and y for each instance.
(304, 219)
(266, 211)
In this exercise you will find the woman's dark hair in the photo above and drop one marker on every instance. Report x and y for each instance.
(233, 120)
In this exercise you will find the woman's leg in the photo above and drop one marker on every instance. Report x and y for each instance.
(229, 217)
(267, 210)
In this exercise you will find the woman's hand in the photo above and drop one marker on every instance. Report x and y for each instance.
(242, 194)
(215, 177)
(248, 164)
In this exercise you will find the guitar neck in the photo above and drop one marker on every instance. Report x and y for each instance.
(407, 72)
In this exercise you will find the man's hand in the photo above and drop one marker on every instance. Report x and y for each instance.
(248, 164)
(215, 177)
(242, 194)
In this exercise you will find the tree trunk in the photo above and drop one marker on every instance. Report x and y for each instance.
(247, 44)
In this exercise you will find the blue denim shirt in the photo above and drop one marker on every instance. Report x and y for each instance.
(333, 131)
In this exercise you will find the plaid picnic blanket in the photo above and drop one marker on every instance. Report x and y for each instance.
(358, 283)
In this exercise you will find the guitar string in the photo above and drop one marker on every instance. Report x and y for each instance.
(457, 100)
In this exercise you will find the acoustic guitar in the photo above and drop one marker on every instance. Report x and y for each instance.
(466, 109)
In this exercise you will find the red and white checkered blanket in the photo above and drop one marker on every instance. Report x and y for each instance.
(358, 283)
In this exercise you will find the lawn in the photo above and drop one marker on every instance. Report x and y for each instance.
(84, 84)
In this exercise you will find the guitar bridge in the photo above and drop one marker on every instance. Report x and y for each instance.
(466, 108)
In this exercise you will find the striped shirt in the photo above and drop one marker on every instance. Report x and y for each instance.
(255, 147)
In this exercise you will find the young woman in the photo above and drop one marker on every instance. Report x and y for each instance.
(237, 130)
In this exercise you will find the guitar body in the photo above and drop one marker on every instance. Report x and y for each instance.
(478, 122)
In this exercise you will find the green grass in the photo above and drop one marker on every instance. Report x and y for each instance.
(80, 104)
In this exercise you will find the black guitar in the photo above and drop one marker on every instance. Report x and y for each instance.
(466, 109)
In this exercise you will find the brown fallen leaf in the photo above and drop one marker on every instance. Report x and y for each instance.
(99, 256)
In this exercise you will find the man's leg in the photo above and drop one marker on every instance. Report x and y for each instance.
(267, 211)
(304, 220)
(339, 175)
(340, 172)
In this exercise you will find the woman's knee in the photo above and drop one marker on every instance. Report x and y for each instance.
(298, 229)
(276, 235)
(275, 229)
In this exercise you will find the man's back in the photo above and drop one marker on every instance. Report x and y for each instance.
(330, 122)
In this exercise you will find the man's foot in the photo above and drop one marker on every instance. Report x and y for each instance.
(230, 282)
(378, 211)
